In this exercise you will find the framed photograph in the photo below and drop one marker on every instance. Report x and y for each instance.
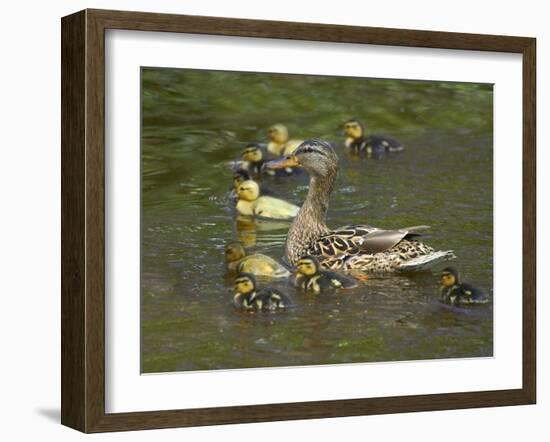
(267, 221)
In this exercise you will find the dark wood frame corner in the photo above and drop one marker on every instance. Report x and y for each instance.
(83, 218)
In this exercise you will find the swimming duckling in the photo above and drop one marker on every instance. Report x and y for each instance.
(247, 297)
(250, 202)
(239, 177)
(279, 144)
(456, 293)
(358, 142)
(311, 278)
(258, 264)
(253, 155)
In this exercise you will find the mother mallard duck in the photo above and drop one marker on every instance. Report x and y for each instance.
(354, 248)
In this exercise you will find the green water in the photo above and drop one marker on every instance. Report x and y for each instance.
(195, 122)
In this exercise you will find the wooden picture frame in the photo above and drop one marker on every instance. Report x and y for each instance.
(83, 220)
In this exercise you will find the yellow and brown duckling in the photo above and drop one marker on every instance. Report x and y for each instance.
(311, 278)
(279, 143)
(250, 202)
(240, 176)
(248, 297)
(257, 264)
(254, 157)
(455, 292)
(358, 142)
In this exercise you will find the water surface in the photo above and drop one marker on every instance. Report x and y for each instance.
(195, 122)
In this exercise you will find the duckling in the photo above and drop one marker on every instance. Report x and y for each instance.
(258, 264)
(456, 293)
(279, 144)
(311, 278)
(253, 155)
(250, 202)
(358, 142)
(239, 177)
(247, 296)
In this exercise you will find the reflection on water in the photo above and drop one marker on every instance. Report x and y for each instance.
(194, 123)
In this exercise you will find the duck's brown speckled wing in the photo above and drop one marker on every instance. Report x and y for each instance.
(335, 246)
(362, 238)
(346, 242)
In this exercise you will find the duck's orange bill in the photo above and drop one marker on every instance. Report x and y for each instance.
(283, 163)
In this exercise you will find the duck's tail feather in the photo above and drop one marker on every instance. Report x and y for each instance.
(426, 261)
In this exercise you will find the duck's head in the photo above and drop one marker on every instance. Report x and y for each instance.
(252, 153)
(353, 129)
(245, 283)
(248, 190)
(315, 156)
(278, 133)
(307, 265)
(449, 277)
(239, 177)
(234, 251)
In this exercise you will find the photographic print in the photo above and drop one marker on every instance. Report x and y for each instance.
(297, 220)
